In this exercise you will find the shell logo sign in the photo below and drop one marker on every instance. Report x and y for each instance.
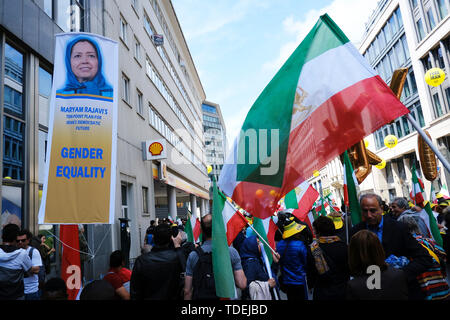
(154, 149)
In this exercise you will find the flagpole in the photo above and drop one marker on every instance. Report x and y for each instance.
(429, 142)
(269, 270)
(346, 222)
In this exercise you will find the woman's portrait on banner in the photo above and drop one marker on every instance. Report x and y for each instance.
(83, 60)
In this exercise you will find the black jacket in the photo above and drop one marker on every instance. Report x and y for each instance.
(156, 275)
(393, 286)
(399, 242)
(332, 285)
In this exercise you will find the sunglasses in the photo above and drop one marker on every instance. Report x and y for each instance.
(22, 240)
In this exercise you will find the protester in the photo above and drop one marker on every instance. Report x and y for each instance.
(255, 270)
(396, 241)
(295, 260)
(118, 275)
(330, 273)
(54, 289)
(98, 290)
(156, 275)
(400, 207)
(432, 282)
(14, 263)
(45, 252)
(31, 281)
(366, 257)
(199, 278)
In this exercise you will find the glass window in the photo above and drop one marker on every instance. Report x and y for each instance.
(447, 95)
(420, 30)
(381, 40)
(437, 106)
(13, 150)
(392, 25)
(440, 58)
(406, 127)
(389, 175)
(45, 87)
(399, 17)
(147, 25)
(137, 49)
(12, 205)
(140, 104)
(414, 3)
(405, 46)
(398, 126)
(431, 21)
(427, 63)
(398, 48)
(412, 81)
(123, 30)
(442, 8)
(70, 15)
(126, 89)
(144, 199)
(401, 168)
(387, 31)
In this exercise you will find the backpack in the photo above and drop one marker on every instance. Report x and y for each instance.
(41, 274)
(204, 287)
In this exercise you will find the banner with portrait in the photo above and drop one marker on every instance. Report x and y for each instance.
(81, 151)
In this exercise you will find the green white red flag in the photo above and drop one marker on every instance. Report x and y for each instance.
(223, 271)
(324, 99)
(351, 200)
(417, 197)
(192, 228)
(266, 229)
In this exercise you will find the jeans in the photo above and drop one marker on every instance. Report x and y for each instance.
(33, 296)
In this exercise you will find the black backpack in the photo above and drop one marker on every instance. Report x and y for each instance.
(204, 287)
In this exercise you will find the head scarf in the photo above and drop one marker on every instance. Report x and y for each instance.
(97, 86)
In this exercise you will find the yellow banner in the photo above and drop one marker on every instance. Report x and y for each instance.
(81, 157)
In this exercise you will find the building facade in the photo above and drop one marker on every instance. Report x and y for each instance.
(160, 98)
(413, 34)
(215, 137)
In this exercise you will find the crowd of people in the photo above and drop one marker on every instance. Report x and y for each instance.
(390, 255)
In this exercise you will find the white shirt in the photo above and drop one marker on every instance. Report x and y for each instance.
(32, 282)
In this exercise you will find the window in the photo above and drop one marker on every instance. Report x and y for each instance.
(69, 14)
(126, 89)
(140, 104)
(14, 113)
(144, 199)
(412, 81)
(148, 25)
(420, 31)
(427, 63)
(405, 46)
(442, 8)
(437, 106)
(388, 170)
(447, 95)
(48, 7)
(401, 168)
(123, 30)
(398, 48)
(431, 21)
(440, 58)
(137, 49)
(414, 3)
(398, 14)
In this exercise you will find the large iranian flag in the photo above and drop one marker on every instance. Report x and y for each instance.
(302, 198)
(324, 99)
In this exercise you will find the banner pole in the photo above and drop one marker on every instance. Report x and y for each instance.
(429, 142)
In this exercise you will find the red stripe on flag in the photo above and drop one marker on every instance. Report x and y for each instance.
(234, 226)
(70, 257)
(197, 230)
(340, 122)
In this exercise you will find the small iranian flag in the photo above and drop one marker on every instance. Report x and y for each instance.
(266, 229)
(324, 99)
(350, 194)
(416, 193)
(193, 229)
(417, 196)
(302, 198)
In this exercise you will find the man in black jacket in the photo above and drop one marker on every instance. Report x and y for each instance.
(157, 274)
(396, 240)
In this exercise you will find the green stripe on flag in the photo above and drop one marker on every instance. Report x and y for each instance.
(188, 229)
(272, 110)
(290, 200)
(223, 271)
(354, 207)
(259, 227)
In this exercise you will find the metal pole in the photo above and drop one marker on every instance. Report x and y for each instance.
(428, 141)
